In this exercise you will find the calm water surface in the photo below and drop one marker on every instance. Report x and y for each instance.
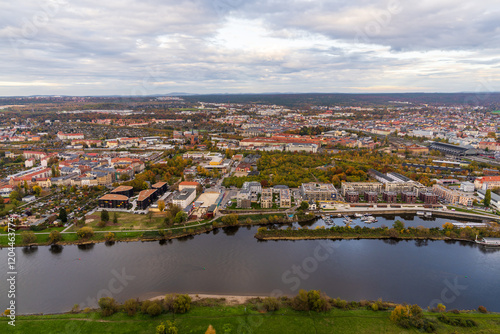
(232, 261)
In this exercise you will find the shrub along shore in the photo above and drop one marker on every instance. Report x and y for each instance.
(86, 235)
(309, 311)
(398, 231)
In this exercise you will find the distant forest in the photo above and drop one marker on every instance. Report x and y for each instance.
(491, 100)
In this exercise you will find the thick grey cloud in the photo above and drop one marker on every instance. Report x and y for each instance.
(148, 47)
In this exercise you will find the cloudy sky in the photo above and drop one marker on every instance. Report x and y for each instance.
(141, 47)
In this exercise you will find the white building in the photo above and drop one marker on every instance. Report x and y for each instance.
(184, 198)
(467, 186)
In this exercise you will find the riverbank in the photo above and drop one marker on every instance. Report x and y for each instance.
(448, 232)
(175, 232)
(248, 318)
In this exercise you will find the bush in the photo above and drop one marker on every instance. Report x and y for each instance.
(408, 316)
(54, 237)
(85, 232)
(339, 303)
(317, 301)
(101, 224)
(182, 304)
(456, 322)
(300, 302)
(271, 304)
(130, 306)
(144, 306)
(167, 328)
(108, 306)
(482, 309)
(154, 309)
(110, 236)
(28, 237)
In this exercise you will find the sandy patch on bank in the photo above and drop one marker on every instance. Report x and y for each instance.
(230, 299)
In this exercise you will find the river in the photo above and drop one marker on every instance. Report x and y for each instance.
(231, 261)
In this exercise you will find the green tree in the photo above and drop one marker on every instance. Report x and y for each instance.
(180, 217)
(487, 198)
(54, 237)
(105, 216)
(304, 206)
(115, 218)
(161, 205)
(37, 190)
(15, 195)
(28, 237)
(108, 306)
(63, 216)
(85, 232)
(398, 225)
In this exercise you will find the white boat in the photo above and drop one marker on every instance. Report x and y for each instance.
(489, 242)
(347, 221)
(420, 213)
(428, 214)
(358, 215)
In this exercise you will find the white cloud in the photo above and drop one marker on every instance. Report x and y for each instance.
(93, 47)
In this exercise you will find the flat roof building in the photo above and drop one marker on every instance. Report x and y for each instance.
(185, 197)
(313, 191)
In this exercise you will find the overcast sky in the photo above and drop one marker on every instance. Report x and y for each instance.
(141, 47)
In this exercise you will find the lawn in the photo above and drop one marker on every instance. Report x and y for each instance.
(126, 221)
(241, 319)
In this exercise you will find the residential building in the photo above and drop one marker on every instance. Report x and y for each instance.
(313, 191)
(371, 196)
(146, 198)
(389, 197)
(487, 182)
(301, 147)
(409, 197)
(243, 199)
(361, 187)
(124, 190)
(352, 197)
(285, 198)
(266, 199)
(113, 201)
(188, 185)
(162, 188)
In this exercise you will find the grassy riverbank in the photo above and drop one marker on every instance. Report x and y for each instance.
(173, 232)
(398, 232)
(242, 319)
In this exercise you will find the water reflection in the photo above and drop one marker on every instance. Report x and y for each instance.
(230, 230)
(86, 247)
(29, 250)
(56, 249)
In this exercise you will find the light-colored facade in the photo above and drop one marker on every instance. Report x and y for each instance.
(362, 187)
(285, 198)
(318, 191)
(185, 197)
(266, 199)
